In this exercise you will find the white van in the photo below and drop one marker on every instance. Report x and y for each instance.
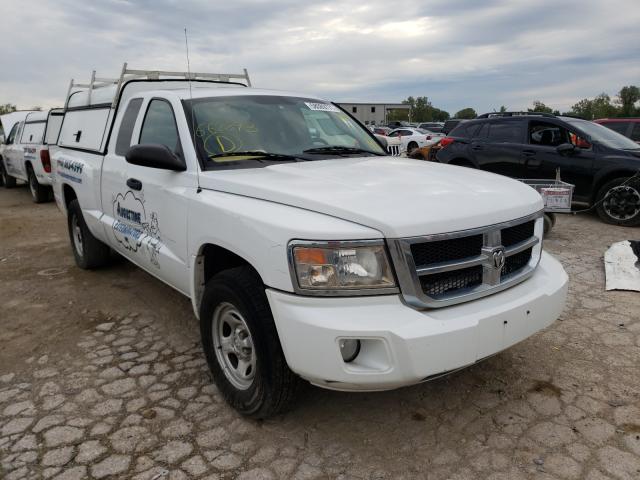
(25, 153)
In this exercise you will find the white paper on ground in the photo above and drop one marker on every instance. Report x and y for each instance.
(622, 266)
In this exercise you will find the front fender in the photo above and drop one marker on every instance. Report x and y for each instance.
(259, 232)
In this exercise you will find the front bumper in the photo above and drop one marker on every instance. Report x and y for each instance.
(403, 346)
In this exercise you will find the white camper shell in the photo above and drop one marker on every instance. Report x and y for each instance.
(306, 250)
(25, 153)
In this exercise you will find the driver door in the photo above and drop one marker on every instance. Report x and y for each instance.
(156, 199)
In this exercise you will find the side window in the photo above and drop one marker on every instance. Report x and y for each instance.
(126, 127)
(505, 132)
(12, 134)
(159, 126)
(482, 132)
(393, 134)
(635, 133)
(19, 132)
(546, 134)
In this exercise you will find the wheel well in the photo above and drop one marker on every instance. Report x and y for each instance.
(211, 260)
(68, 194)
(607, 178)
(462, 162)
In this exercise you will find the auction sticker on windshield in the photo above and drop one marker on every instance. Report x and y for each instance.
(322, 107)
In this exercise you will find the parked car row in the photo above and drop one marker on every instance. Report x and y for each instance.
(306, 250)
(603, 165)
(413, 138)
(629, 127)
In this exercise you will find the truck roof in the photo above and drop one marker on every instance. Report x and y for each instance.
(8, 120)
(185, 94)
(180, 88)
(37, 116)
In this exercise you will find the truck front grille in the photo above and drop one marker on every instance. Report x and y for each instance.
(444, 269)
(446, 250)
(439, 285)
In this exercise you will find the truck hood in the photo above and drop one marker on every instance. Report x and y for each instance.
(398, 197)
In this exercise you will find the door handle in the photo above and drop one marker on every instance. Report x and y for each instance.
(528, 153)
(476, 147)
(134, 184)
(532, 163)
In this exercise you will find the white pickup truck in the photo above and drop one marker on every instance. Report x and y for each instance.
(25, 152)
(306, 251)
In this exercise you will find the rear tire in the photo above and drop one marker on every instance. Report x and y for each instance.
(88, 251)
(39, 193)
(7, 180)
(619, 204)
(242, 347)
(549, 222)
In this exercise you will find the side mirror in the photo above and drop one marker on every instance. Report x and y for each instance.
(155, 156)
(565, 149)
(582, 143)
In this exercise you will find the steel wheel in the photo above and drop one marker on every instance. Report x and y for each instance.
(233, 345)
(77, 235)
(622, 202)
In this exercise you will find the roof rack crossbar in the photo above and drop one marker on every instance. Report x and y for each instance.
(127, 74)
(515, 114)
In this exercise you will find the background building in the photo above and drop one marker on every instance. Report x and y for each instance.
(372, 113)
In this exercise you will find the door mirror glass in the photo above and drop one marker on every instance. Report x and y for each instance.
(565, 148)
(580, 142)
(155, 156)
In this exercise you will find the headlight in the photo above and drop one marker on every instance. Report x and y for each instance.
(341, 268)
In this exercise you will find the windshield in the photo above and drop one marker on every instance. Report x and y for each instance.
(603, 135)
(300, 128)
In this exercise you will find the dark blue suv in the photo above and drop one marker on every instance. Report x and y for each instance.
(603, 165)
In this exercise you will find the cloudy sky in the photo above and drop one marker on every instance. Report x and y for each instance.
(459, 53)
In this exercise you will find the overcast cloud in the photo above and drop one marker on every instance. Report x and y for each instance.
(459, 53)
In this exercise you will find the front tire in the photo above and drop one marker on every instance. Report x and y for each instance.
(88, 251)
(39, 193)
(7, 180)
(242, 347)
(619, 204)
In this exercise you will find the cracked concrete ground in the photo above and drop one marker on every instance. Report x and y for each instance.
(102, 376)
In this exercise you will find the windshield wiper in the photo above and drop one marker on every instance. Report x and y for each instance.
(339, 149)
(259, 156)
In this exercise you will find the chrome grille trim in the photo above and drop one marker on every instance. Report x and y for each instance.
(409, 273)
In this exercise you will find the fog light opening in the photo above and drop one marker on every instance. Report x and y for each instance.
(349, 349)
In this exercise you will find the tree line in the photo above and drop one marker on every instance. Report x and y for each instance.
(9, 107)
(624, 104)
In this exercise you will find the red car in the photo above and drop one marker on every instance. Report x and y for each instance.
(629, 127)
